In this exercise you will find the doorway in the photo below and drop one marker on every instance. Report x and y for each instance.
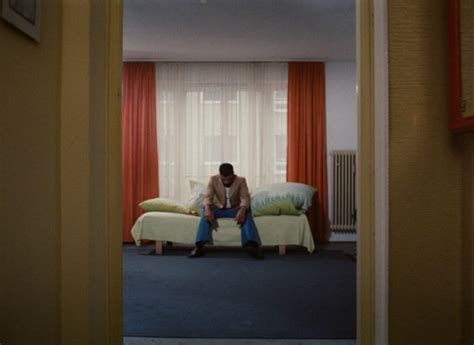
(110, 286)
(337, 72)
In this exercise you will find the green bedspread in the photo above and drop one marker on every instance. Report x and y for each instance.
(181, 228)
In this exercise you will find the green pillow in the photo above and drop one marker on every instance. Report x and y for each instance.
(286, 198)
(163, 205)
(276, 207)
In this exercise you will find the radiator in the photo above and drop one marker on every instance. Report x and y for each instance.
(343, 191)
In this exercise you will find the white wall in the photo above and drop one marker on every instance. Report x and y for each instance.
(341, 115)
(341, 106)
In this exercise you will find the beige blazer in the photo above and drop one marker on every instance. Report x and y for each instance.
(215, 193)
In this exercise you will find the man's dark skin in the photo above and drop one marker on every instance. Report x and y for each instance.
(227, 196)
(240, 217)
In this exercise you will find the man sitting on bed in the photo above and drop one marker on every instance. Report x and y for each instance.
(227, 196)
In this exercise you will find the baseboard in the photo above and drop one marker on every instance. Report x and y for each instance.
(343, 236)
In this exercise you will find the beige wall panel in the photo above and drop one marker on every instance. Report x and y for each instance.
(29, 151)
(75, 177)
(425, 180)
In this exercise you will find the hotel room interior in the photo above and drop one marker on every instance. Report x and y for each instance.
(271, 88)
(381, 85)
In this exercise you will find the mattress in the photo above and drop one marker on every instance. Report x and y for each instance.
(181, 228)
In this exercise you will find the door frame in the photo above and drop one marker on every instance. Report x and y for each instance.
(381, 171)
(373, 182)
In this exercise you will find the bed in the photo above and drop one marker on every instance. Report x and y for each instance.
(281, 230)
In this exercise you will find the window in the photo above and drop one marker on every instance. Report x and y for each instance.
(209, 113)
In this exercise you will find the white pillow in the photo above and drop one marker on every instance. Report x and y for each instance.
(197, 195)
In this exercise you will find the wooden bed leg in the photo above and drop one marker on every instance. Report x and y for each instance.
(282, 249)
(159, 247)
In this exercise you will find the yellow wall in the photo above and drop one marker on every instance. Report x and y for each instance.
(430, 237)
(467, 237)
(29, 151)
(431, 187)
(60, 177)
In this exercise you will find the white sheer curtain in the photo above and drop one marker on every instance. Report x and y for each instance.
(210, 113)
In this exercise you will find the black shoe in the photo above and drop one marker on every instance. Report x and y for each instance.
(196, 253)
(256, 253)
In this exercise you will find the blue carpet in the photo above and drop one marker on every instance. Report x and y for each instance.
(228, 295)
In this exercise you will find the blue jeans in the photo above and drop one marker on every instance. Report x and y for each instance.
(248, 229)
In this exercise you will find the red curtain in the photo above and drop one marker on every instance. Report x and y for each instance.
(306, 156)
(139, 145)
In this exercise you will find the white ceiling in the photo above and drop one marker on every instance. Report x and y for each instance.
(239, 30)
